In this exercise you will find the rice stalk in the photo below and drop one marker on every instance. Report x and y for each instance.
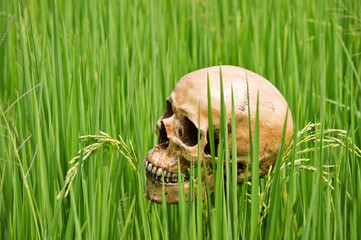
(101, 140)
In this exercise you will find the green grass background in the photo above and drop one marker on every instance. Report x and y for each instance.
(109, 65)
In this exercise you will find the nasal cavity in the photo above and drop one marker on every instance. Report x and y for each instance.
(163, 140)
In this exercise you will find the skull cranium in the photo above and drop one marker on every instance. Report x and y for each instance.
(178, 126)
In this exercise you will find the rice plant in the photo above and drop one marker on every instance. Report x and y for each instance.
(76, 74)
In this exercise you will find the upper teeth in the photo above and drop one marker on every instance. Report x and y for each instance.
(156, 173)
(149, 167)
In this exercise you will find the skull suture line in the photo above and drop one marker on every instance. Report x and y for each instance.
(178, 127)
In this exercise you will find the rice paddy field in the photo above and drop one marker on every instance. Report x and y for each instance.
(103, 69)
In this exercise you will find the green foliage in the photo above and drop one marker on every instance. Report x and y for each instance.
(74, 68)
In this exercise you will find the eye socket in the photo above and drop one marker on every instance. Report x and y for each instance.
(189, 133)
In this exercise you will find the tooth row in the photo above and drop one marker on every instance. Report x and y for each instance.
(156, 173)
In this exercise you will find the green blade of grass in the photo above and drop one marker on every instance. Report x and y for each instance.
(234, 193)
(255, 174)
(272, 230)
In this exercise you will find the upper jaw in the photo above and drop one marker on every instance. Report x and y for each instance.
(160, 164)
(156, 173)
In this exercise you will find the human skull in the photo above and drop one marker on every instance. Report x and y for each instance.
(178, 127)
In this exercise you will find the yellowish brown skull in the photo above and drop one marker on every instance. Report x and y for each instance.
(178, 126)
